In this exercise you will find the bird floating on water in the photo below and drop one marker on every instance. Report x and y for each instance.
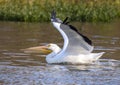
(77, 48)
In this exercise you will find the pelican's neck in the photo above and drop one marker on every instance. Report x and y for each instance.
(57, 26)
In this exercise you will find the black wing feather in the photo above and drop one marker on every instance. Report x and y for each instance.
(84, 37)
(65, 21)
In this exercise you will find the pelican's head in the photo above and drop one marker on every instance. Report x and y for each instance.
(53, 47)
(46, 49)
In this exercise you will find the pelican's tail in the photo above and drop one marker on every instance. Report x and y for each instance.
(96, 56)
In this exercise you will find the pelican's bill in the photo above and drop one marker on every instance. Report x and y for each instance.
(38, 49)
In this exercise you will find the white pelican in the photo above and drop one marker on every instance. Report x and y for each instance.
(77, 48)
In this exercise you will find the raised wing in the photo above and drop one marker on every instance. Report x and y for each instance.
(77, 42)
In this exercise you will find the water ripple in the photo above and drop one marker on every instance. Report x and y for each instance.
(104, 72)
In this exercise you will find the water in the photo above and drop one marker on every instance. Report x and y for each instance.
(19, 68)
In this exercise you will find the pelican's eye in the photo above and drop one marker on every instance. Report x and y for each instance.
(49, 45)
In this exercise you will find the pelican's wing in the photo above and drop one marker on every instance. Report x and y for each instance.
(78, 43)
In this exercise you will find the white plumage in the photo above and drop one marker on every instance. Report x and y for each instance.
(77, 48)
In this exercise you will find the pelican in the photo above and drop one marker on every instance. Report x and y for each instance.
(77, 48)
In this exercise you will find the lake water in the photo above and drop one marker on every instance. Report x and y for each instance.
(19, 68)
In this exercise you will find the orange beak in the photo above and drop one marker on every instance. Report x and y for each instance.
(38, 49)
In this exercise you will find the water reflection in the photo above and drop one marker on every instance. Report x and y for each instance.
(17, 67)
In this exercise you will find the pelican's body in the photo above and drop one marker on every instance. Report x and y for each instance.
(70, 58)
(77, 48)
